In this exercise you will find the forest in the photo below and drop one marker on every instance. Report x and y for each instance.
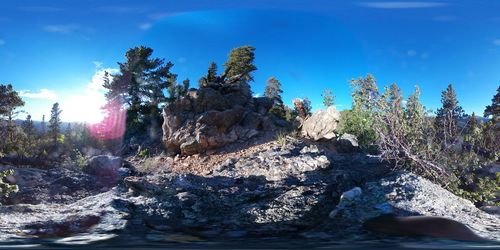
(447, 146)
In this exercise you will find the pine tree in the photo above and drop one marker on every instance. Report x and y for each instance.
(55, 123)
(210, 77)
(185, 86)
(9, 102)
(273, 90)
(365, 93)
(447, 117)
(328, 98)
(29, 126)
(140, 85)
(396, 100)
(43, 126)
(494, 109)
(240, 62)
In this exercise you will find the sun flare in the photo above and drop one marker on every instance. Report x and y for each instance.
(86, 107)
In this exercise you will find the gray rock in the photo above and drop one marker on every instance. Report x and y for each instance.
(347, 143)
(418, 196)
(218, 114)
(322, 124)
(103, 165)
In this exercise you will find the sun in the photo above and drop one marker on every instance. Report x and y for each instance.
(85, 107)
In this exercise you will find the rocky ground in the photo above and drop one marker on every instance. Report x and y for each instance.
(264, 190)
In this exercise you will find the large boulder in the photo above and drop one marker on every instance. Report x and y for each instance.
(322, 124)
(105, 168)
(347, 143)
(214, 116)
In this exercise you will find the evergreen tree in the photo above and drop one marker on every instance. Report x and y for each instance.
(494, 109)
(68, 134)
(29, 126)
(210, 77)
(240, 62)
(447, 117)
(43, 126)
(273, 90)
(55, 123)
(9, 102)
(328, 98)
(365, 93)
(140, 85)
(396, 100)
(185, 86)
(359, 120)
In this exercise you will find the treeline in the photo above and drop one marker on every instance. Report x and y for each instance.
(448, 146)
(26, 144)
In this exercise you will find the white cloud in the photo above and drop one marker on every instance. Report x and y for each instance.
(145, 26)
(97, 80)
(87, 106)
(496, 42)
(41, 94)
(2, 42)
(97, 64)
(402, 5)
(257, 95)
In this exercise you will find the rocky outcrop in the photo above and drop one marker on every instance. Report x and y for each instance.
(347, 143)
(276, 190)
(61, 185)
(214, 116)
(405, 194)
(322, 124)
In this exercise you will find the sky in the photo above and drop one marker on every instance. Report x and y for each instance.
(57, 50)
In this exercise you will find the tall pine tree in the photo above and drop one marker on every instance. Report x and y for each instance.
(241, 62)
(493, 110)
(328, 98)
(447, 117)
(140, 86)
(55, 123)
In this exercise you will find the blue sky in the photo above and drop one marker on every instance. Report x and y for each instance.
(57, 50)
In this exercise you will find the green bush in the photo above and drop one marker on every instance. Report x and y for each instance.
(6, 188)
(80, 160)
(360, 124)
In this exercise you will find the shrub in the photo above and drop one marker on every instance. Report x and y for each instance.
(358, 123)
(6, 188)
(282, 138)
(80, 160)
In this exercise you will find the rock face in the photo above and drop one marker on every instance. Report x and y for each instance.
(322, 124)
(276, 190)
(105, 168)
(405, 194)
(50, 185)
(347, 143)
(214, 116)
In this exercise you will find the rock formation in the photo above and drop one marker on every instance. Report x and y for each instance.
(213, 116)
(322, 124)
(273, 190)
